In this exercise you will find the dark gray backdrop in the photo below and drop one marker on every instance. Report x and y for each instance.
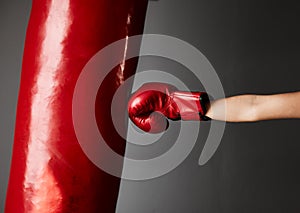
(254, 47)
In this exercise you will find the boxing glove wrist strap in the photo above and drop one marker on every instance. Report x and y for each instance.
(192, 105)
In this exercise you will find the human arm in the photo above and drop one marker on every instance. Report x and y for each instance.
(249, 108)
(154, 103)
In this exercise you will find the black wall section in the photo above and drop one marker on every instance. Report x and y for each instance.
(254, 47)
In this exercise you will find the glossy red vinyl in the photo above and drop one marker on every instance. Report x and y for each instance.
(151, 105)
(49, 171)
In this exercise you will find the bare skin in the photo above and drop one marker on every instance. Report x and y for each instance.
(250, 108)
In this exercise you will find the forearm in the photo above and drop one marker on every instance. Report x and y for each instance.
(278, 106)
(247, 108)
(233, 109)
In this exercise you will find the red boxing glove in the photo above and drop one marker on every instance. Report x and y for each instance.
(151, 104)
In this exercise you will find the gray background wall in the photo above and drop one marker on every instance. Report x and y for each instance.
(254, 47)
(13, 22)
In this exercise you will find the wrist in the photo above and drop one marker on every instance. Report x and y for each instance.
(205, 104)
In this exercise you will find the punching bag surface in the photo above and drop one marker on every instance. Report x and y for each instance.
(49, 171)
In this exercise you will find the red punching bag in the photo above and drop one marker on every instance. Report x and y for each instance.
(49, 171)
